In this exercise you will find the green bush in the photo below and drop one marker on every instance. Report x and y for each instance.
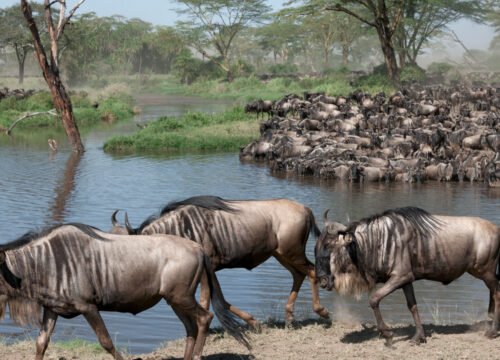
(282, 69)
(412, 74)
(115, 108)
(439, 69)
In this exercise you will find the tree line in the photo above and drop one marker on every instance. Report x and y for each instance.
(233, 38)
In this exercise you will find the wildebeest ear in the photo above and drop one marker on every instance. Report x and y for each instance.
(2, 257)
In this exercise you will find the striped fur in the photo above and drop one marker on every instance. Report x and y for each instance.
(402, 245)
(242, 233)
(76, 269)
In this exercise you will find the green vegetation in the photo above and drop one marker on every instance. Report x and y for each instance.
(81, 345)
(225, 131)
(109, 109)
(246, 89)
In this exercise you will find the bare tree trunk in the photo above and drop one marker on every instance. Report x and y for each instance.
(326, 53)
(60, 97)
(388, 51)
(21, 53)
(345, 55)
(21, 71)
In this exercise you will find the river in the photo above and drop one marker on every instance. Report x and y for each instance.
(38, 188)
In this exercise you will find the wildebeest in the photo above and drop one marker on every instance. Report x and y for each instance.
(242, 234)
(74, 269)
(402, 245)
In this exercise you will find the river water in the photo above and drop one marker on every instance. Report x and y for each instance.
(38, 188)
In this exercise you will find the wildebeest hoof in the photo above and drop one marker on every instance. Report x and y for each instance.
(323, 312)
(418, 339)
(388, 342)
(387, 335)
(491, 334)
(257, 327)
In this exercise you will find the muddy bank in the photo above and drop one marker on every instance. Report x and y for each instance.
(310, 340)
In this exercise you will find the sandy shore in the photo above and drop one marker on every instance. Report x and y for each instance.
(309, 340)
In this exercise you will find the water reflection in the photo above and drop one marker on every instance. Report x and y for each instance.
(36, 189)
(65, 187)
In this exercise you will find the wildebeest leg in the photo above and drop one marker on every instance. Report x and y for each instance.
(491, 306)
(204, 318)
(494, 286)
(243, 315)
(191, 330)
(412, 306)
(298, 279)
(95, 321)
(391, 285)
(196, 320)
(317, 307)
(204, 292)
(48, 324)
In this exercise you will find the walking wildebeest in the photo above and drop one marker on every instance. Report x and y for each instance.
(76, 269)
(402, 245)
(242, 234)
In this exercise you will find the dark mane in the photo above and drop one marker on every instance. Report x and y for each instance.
(422, 221)
(145, 223)
(206, 201)
(212, 203)
(33, 235)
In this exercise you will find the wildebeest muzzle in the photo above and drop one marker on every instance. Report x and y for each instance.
(323, 272)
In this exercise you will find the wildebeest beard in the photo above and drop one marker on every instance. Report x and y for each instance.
(345, 267)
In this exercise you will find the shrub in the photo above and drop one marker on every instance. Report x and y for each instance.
(412, 74)
(439, 69)
(281, 69)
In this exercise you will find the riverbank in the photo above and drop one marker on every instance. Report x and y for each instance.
(193, 131)
(250, 88)
(89, 110)
(310, 340)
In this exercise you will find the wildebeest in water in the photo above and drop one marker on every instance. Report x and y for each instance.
(76, 269)
(402, 245)
(242, 234)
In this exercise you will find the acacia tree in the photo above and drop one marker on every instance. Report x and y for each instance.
(14, 34)
(280, 38)
(50, 66)
(214, 24)
(384, 16)
(424, 20)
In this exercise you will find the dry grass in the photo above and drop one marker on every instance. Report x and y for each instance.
(309, 340)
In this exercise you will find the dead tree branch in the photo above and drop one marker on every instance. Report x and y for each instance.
(29, 115)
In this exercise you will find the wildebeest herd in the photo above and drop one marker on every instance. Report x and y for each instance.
(416, 134)
(74, 269)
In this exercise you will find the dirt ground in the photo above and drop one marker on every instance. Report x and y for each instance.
(309, 340)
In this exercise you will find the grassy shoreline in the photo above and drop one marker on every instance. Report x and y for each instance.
(250, 88)
(225, 131)
(87, 112)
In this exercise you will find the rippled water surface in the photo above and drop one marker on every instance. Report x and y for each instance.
(37, 189)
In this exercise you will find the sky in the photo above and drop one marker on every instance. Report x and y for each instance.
(161, 12)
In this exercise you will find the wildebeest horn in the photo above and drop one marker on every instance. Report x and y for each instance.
(129, 227)
(113, 218)
(325, 215)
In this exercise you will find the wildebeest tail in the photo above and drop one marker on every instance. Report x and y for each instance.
(221, 307)
(497, 273)
(312, 224)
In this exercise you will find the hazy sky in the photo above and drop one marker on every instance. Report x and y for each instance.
(161, 12)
